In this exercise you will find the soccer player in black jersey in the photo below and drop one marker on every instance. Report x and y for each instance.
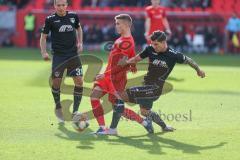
(162, 60)
(66, 38)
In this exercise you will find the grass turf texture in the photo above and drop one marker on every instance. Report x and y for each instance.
(29, 130)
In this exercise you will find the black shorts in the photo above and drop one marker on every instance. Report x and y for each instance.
(71, 63)
(144, 95)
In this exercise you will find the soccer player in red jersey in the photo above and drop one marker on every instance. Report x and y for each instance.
(156, 20)
(114, 79)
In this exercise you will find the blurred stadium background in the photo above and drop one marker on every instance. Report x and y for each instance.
(199, 26)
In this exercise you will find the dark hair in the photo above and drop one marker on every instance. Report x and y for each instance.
(159, 36)
(126, 17)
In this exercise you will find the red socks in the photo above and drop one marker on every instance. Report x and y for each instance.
(98, 112)
(130, 114)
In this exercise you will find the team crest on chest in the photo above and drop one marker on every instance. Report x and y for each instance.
(72, 20)
(57, 74)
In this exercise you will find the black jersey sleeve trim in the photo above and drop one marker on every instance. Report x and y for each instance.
(47, 26)
(77, 22)
(144, 53)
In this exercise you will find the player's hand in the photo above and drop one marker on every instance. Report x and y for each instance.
(147, 36)
(99, 77)
(123, 61)
(201, 73)
(46, 56)
(168, 33)
(79, 47)
(133, 69)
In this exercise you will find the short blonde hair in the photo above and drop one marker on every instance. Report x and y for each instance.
(125, 17)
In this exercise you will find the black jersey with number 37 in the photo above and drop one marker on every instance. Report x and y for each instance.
(63, 33)
(160, 64)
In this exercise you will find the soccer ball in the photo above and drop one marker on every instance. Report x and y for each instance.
(80, 122)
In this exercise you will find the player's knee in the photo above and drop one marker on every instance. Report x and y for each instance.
(78, 81)
(124, 96)
(56, 83)
(144, 112)
(55, 86)
(97, 93)
(93, 95)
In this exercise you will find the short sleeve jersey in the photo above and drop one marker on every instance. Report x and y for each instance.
(63, 32)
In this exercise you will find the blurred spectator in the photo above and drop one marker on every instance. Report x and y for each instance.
(18, 3)
(7, 43)
(48, 4)
(190, 33)
(103, 3)
(198, 42)
(193, 39)
(206, 3)
(96, 34)
(29, 27)
(233, 29)
(138, 30)
(189, 3)
(179, 40)
(141, 3)
(93, 34)
(166, 3)
(117, 3)
(212, 39)
(86, 3)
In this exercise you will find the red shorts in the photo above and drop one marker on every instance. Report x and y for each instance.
(109, 88)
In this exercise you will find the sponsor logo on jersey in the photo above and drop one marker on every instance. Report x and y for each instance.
(72, 20)
(57, 74)
(57, 21)
(66, 28)
(160, 63)
(173, 51)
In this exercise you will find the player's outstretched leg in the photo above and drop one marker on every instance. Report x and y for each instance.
(97, 108)
(56, 96)
(145, 96)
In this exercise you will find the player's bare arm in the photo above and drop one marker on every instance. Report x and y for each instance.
(99, 76)
(79, 34)
(147, 27)
(194, 65)
(167, 26)
(43, 46)
(133, 60)
(114, 70)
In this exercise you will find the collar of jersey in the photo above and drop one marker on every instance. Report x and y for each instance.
(61, 16)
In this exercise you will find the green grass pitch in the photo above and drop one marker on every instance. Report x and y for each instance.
(210, 130)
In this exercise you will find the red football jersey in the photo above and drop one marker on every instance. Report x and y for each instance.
(123, 46)
(156, 16)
